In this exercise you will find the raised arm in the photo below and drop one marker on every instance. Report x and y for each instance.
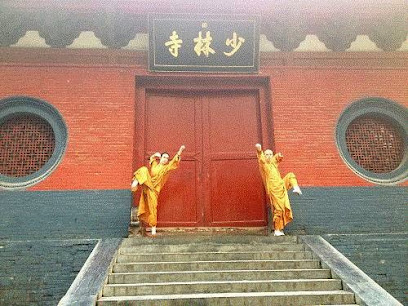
(173, 164)
(259, 153)
(181, 150)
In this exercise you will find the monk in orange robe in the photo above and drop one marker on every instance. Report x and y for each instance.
(152, 182)
(277, 188)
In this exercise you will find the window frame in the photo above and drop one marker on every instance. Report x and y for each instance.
(387, 110)
(22, 105)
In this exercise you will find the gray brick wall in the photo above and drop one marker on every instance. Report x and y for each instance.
(45, 237)
(367, 224)
(64, 214)
(340, 210)
(39, 272)
(383, 257)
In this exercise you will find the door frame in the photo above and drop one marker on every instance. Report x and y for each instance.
(198, 83)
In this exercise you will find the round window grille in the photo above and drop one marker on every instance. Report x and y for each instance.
(372, 138)
(27, 143)
(33, 139)
(375, 144)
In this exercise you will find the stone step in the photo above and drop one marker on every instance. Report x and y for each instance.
(221, 286)
(232, 275)
(186, 248)
(216, 265)
(220, 271)
(209, 240)
(211, 256)
(243, 298)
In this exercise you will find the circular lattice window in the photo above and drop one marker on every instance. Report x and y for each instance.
(375, 144)
(33, 137)
(372, 139)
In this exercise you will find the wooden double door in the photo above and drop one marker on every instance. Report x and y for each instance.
(218, 182)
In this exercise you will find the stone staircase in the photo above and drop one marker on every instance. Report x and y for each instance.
(248, 270)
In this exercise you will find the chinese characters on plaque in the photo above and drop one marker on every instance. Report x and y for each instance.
(204, 43)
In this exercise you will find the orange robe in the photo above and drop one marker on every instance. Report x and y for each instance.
(152, 182)
(277, 189)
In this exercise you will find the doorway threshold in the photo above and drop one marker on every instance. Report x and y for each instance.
(203, 231)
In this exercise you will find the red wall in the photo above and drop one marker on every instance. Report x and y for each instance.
(97, 102)
(98, 107)
(307, 103)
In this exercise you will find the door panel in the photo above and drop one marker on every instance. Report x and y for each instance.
(171, 122)
(218, 183)
(237, 196)
(236, 191)
(233, 122)
(178, 200)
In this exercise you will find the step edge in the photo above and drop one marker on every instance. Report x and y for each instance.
(227, 295)
(301, 280)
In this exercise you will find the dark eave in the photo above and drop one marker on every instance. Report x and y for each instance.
(285, 23)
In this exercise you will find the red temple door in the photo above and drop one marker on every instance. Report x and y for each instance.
(218, 181)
